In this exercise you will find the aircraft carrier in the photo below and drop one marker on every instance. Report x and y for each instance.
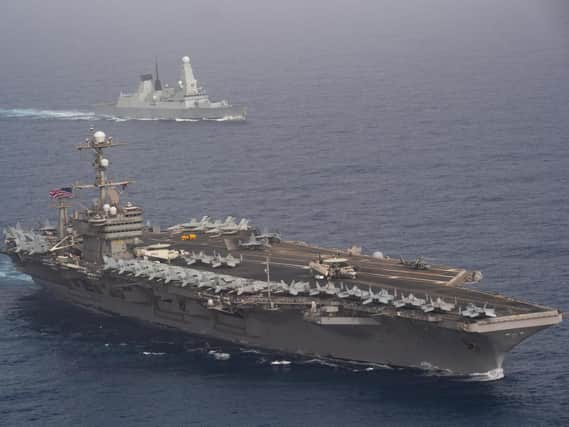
(228, 281)
(187, 100)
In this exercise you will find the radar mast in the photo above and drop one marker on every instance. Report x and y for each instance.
(98, 142)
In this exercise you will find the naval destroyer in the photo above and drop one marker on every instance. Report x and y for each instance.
(187, 100)
(225, 280)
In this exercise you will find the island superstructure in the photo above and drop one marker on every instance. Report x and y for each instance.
(228, 281)
(186, 100)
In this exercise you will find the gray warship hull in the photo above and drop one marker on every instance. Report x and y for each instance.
(232, 112)
(397, 339)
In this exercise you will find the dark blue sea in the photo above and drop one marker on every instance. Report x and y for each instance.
(435, 128)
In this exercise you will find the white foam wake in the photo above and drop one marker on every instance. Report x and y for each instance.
(33, 113)
(218, 355)
(7, 271)
(228, 119)
(493, 375)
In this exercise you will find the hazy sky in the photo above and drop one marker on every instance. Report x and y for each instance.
(72, 26)
(234, 44)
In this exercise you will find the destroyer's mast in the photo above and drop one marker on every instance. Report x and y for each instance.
(157, 82)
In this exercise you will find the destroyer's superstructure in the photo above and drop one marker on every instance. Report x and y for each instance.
(226, 280)
(186, 100)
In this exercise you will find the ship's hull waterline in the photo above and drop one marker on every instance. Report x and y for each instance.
(229, 113)
(397, 342)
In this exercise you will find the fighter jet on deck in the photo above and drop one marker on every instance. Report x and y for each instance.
(472, 311)
(253, 243)
(418, 264)
(408, 301)
(271, 237)
(438, 305)
(384, 297)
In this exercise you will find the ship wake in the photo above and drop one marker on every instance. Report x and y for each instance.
(431, 370)
(41, 114)
(228, 119)
(7, 272)
(32, 113)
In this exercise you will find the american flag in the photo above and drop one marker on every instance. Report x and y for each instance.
(61, 193)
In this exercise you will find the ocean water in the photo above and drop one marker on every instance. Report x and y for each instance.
(435, 128)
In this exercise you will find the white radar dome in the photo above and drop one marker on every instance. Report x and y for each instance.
(105, 163)
(378, 255)
(106, 207)
(113, 210)
(99, 136)
(186, 59)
